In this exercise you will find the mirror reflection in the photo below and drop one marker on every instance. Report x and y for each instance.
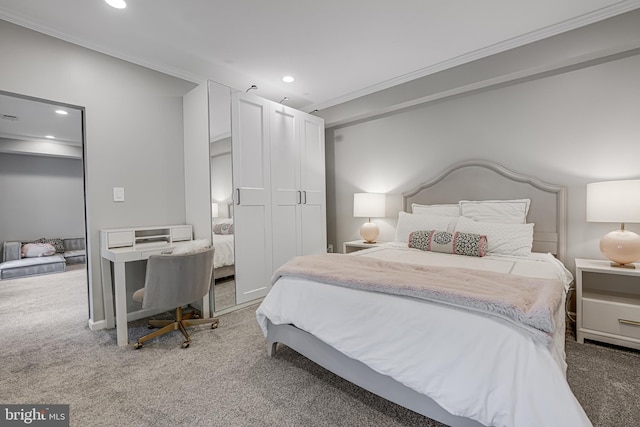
(221, 196)
(42, 226)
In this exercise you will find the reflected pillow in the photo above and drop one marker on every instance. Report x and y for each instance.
(225, 228)
(56, 243)
(33, 250)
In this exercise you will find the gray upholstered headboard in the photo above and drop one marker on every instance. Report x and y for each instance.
(486, 180)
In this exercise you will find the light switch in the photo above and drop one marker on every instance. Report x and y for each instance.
(118, 194)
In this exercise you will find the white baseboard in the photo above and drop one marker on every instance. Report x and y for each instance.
(96, 326)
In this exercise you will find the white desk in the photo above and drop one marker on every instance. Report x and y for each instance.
(119, 246)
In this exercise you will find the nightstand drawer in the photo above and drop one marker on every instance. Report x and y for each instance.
(614, 318)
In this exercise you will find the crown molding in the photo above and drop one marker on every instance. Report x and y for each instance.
(22, 21)
(568, 25)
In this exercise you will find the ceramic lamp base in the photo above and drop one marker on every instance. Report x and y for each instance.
(622, 247)
(369, 232)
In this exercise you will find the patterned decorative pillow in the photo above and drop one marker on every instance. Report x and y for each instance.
(441, 241)
(223, 228)
(56, 243)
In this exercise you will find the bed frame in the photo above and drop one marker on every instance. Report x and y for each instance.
(225, 271)
(469, 180)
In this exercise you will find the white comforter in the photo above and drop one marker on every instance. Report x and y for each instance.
(471, 365)
(223, 255)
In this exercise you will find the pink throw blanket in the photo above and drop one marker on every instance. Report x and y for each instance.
(528, 303)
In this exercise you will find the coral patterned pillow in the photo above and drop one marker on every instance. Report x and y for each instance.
(451, 243)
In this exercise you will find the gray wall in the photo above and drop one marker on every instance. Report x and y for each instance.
(41, 197)
(571, 126)
(133, 132)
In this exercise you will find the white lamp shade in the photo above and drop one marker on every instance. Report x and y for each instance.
(613, 201)
(616, 201)
(368, 205)
(215, 212)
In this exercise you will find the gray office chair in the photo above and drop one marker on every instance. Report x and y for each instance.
(173, 281)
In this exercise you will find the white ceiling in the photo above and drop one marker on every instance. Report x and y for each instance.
(338, 50)
(32, 120)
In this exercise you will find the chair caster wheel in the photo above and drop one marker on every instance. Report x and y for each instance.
(137, 345)
(185, 344)
(214, 325)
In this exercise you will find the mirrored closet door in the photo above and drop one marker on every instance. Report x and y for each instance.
(222, 223)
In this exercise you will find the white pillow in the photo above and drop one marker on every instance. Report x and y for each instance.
(190, 247)
(33, 250)
(503, 239)
(498, 211)
(452, 209)
(413, 222)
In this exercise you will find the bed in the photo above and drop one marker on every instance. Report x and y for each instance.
(456, 365)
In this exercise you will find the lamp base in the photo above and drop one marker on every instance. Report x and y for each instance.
(622, 247)
(369, 232)
(629, 266)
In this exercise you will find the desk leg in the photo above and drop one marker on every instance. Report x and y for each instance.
(107, 293)
(121, 303)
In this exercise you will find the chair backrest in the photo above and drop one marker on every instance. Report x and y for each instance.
(176, 280)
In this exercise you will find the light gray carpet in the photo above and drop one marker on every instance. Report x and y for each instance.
(225, 293)
(49, 355)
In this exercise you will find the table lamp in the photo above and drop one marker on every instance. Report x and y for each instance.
(369, 205)
(616, 201)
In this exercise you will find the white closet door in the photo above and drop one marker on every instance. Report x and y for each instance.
(313, 185)
(196, 162)
(252, 212)
(285, 183)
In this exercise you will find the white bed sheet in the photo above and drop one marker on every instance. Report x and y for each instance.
(471, 365)
(223, 255)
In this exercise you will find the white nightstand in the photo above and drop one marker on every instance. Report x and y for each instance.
(607, 303)
(358, 245)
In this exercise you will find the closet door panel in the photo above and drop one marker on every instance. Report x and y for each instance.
(313, 157)
(252, 266)
(286, 243)
(314, 236)
(252, 198)
(312, 183)
(285, 192)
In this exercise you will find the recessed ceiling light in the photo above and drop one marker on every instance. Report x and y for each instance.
(62, 112)
(50, 137)
(118, 4)
(288, 79)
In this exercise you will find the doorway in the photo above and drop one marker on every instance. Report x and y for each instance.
(42, 172)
